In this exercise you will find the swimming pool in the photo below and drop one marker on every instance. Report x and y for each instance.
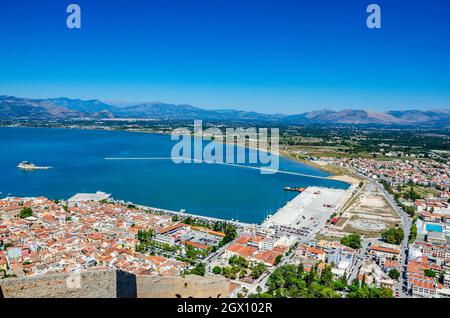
(434, 228)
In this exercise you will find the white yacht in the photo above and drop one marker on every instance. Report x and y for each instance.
(26, 165)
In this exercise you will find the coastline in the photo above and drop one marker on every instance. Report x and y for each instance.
(282, 154)
(335, 175)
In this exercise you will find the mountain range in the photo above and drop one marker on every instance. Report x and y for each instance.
(16, 108)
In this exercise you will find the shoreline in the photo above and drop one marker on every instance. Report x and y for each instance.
(191, 215)
(346, 178)
(283, 154)
(344, 175)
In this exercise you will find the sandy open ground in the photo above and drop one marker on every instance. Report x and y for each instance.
(368, 214)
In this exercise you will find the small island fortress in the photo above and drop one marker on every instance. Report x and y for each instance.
(26, 165)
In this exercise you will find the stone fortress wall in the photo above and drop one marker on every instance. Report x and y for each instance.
(110, 283)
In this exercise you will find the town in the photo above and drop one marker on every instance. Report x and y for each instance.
(385, 236)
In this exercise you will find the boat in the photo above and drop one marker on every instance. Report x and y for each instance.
(294, 189)
(26, 165)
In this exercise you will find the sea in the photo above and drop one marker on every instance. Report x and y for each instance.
(79, 161)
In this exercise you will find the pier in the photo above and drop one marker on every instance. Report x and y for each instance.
(308, 212)
(223, 163)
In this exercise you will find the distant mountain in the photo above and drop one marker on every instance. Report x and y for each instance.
(15, 108)
(23, 108)
(85, 106)
(348, 116)
(163, 111)
(437, 117)
(50, 109)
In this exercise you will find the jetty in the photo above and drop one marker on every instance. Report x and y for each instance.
(309, 210)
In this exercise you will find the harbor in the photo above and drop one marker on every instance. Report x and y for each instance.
(308, 212)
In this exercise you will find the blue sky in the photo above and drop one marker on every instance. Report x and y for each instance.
(266, 56)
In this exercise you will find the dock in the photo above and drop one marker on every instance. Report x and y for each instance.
(310, 209)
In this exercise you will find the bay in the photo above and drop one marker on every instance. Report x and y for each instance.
(78, 165)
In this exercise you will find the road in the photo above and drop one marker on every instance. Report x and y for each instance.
(406, 226)
(406, 223)
(357, 260)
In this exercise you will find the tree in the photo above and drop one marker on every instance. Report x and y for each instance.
(258, 270)
(199, 270)
(278, 259)
(300, 269)
(393, 235)
(145, 236)
(230, 234)
(238, 261)
(217, 270)
(327, 276)
(394, 274)
(26, 213)
(352, 240)
(412, 194)
(288, 281)
(409, 209)
(429, 273)
(340, 284)
(413, 234)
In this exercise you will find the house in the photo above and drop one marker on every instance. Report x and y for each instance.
(240, 250)
(267, 257)
(383, 253)
(436, 237)
(422, 286)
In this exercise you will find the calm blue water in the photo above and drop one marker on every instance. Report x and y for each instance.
(77, 158)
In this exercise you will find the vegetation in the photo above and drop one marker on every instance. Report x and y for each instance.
(411, 194)
(258, 270)
(352, 240)
(364, 291)
(429, 273)
(278, 259)
(393, 235)
(26, 213)
(238, 267)
(217, 270)
(394, 274)
(230, 234)
(292, 281)
(144, 236)
(413, 234)
(199, 270)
